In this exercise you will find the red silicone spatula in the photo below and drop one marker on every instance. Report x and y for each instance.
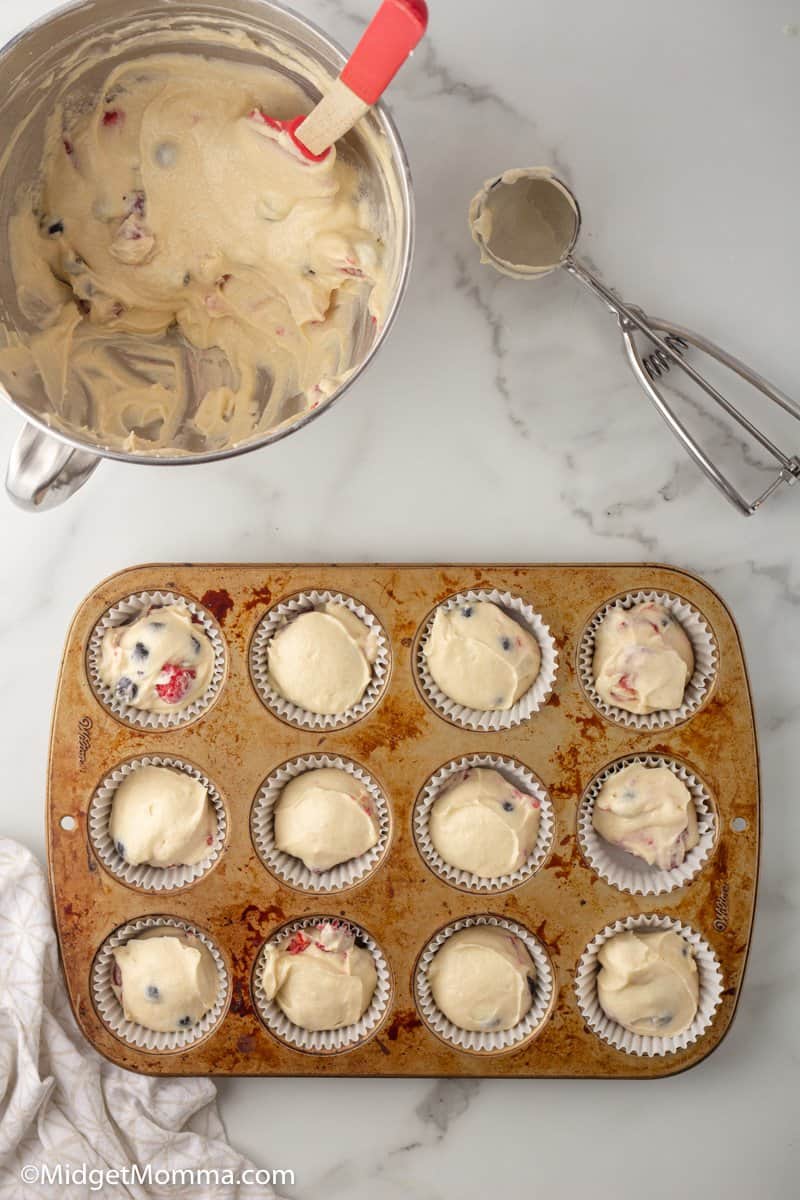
(391, 35)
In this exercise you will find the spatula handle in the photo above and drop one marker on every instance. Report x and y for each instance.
(388, 40)
(391, 35)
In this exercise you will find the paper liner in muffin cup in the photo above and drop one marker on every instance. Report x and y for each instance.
(485, 1041)
(529, 703)
(324, 1041)
(709, 980)
(280, 616)
(521, 778)
(624, 870)
(110, 1010)
(143, 875)
(706, 658)
(124, 613)
(293, 870)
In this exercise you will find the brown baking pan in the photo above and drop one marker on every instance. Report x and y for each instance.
(238, 742)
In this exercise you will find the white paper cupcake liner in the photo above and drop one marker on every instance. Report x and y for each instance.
(485, 1041)
(709, 979)
(110, 1010)
(292, 870)
(523, 779)
(324, 1041)
(145, 876)
(706, 658)
(124, 613)
(281, 615)
(529, 703)
(624, 870)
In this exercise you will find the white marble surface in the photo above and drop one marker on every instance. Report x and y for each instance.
(500, 422)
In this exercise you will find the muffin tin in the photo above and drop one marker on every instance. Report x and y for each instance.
(402, 741)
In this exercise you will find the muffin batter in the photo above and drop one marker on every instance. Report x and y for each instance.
(649, 812)
(181, 265)
(480, 657)
(161, 662)
(642, 659)
(162, 817)
(319, 977)
(483, 824)
(165, 981)
(648, 982)
(325, 817)
(483, 978)
(322, 660)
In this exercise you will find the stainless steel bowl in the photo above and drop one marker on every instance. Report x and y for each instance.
(71, 52)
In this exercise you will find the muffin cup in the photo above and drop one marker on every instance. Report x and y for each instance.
(624, 870)
(698, 687)
(143, 875)
(324, 1041)
(124, 613)
(281, 615)
(709, 978)
(523, 779)
(485, 1041)
(529, 703)
(292, 870)
(110, 1010)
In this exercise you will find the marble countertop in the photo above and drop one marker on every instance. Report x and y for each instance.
(501, 422)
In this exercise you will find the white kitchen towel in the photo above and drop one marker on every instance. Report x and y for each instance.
(63, 1106)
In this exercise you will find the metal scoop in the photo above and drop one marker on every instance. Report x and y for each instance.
(526, 223)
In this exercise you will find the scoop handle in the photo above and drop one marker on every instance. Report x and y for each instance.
(386, 43)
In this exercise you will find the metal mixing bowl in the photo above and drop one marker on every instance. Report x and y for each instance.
(71, 52)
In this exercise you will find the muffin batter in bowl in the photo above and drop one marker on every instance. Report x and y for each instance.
(179, 264)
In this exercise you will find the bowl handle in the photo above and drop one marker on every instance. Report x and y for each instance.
(43, 472)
